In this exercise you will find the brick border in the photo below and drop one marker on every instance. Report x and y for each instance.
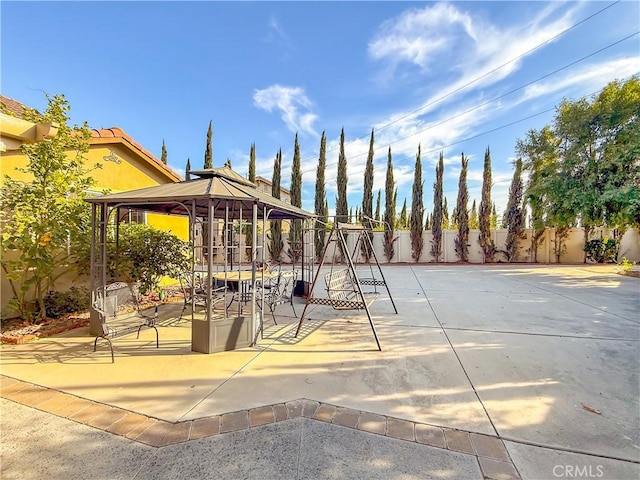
(490, 452)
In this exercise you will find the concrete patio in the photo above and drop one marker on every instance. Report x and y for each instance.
(494, 371)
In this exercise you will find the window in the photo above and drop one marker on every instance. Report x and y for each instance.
(128, 215)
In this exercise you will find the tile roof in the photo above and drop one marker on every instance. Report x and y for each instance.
(16, 108)
(121, 135)
(12, 106)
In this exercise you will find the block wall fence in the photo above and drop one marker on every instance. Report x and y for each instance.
(572, 254)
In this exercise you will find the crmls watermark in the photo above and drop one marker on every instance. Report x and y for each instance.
(578, 471)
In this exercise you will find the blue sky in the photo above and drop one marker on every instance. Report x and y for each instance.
(448, 76)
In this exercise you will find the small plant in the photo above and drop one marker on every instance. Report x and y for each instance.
(602, 250)
(626, 265)
(61, 303)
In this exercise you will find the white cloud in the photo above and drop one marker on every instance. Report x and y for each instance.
(412, 36)
(467, 51)
(294, 106)
(591, 77)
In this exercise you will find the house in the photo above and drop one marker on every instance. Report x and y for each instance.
(126, 165)
(265, 185)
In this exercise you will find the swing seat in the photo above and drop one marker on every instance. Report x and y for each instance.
(343, 293)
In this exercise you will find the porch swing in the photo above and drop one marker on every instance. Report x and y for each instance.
(344, 286)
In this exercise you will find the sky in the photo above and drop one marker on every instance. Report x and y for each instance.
(450, 77)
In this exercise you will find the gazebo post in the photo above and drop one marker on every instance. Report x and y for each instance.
(98, 261)
(218, 191)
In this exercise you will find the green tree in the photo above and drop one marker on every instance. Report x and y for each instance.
(248, 229)
(45, 220)
(252, 163)
(583, 169)
(295, 232)
(403, 220)
(515, 213)
(417, 210)
(437, 219)
(473, 217)
(367, 196)
(462, 214)
(163, 155)
(187, 170)
(494, 216)
(342, 208)
(389, 210)
(599, 148)
(377, 215)
(321, 208)
(446, 224)
(540, 152)
(367, 199)
(453, 219)
(208, 152)
(276, 245)
(484, 216)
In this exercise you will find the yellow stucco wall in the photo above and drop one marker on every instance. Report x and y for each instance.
(123, 167)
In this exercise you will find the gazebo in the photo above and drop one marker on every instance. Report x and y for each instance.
(217, 201)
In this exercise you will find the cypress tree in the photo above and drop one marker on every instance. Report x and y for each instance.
(252, 178)
(367, 199)
(462, 215)
(295, 232)
(389, 210)
(402, 221)
(437, 218)
(427, 221)
(514, 213)
(367, 196)
(494, 216)
(484, 220)
(377, 215)
(252, 163)
(208, 153)
(187, 170)
(276, 244)
(417, 207)
(473, 217)
(342, 208)
(321, 208)
(163, 155)
(445, 215)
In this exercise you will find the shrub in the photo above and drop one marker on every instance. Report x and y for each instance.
(602, 250)
(61, 303)
(144, 255)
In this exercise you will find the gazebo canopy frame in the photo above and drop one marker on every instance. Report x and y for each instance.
(218, 195)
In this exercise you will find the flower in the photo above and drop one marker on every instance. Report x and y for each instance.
(45, 239)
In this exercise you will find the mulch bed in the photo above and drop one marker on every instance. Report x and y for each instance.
(17, 331)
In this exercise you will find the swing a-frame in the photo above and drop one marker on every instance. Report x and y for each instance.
(344, 286)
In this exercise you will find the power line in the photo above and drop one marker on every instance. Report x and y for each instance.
(498, 68)
(486, 132)
(493, 100)
(483, 76)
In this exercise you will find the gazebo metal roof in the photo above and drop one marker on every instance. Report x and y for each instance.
(222, 185)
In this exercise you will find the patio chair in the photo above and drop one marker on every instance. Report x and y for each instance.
(194, 290)
(120, 313)
(278, 290)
